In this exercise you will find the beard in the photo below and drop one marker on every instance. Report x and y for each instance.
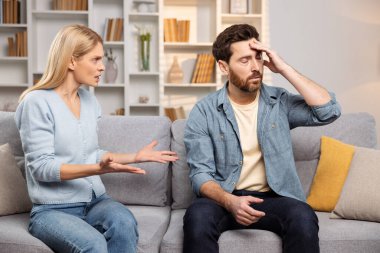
(251, 84)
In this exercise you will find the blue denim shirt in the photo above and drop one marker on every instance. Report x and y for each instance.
(212, 138)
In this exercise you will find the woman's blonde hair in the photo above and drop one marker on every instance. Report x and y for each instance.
(71, 41)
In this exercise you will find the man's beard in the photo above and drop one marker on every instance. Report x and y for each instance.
(245, 85)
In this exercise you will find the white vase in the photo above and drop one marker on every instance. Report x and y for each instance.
(111, 71)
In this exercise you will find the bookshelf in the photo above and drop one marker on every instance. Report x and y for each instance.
(135, 91)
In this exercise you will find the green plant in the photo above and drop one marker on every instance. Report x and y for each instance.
(145, 50)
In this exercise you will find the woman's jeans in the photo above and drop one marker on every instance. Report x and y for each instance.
(103, 225)
(294, 221)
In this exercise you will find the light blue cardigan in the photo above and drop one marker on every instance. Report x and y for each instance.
(51, 135)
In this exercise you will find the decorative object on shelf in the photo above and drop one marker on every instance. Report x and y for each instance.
(144, 38)
(145, 5)
(175, 74)
(238, 6)
(120, 111)
(111, 67)
(143, 99)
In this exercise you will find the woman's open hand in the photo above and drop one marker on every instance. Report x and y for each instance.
(107, 165)
(147, 154)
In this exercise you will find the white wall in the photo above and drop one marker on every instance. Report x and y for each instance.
(335, 43)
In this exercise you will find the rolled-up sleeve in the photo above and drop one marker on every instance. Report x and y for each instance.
(200, 151)
(301, 114)
(36, 127)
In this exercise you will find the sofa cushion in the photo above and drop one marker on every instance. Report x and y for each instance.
(152, 222)
(16, 238)
(338, 236)
(331, 173)
(9, 134)
(342, 236)
(129, 134)
(357, 129)
(13, 191)
(360, 196)
(181, 187)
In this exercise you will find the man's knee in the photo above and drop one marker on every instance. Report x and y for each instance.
(199, 219)
(305, 221)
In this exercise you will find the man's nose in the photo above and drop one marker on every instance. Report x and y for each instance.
(254, 65)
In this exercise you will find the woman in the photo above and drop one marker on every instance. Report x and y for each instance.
(57, 121)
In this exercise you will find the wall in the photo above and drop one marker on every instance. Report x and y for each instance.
(335, 43)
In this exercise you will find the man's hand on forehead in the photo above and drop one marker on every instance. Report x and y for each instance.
(257, 45)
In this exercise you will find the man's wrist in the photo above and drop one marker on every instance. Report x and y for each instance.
(286, 70)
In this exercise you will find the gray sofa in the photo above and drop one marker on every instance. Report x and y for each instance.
(159, 198)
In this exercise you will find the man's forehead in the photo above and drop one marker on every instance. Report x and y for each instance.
(242, 47)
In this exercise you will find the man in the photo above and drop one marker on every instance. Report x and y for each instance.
(239, 148)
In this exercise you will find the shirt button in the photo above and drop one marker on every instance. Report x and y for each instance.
(222, 136)
(241, 162)
(233, 183)
(273, 125)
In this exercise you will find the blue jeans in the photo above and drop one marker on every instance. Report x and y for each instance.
(293, 220)
(103, 225)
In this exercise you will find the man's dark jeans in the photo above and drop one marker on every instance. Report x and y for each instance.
(293, 220)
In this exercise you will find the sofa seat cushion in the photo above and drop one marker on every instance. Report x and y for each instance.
(342, 236)
(16, 238)
(152, 224)
(336, 236)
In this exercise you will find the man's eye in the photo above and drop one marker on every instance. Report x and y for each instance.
(243, 60)
(259, 56)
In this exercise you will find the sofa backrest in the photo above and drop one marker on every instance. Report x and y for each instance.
(119, 134)
(357, 129)
(9, 134)
(129, 134)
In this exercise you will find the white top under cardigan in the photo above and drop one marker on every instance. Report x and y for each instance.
(51, 136)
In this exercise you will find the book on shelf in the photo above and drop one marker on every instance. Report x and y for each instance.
(113, 29)
(71, 5)
(203, 69)
(174, 113)
(176, 30)
(18, 46)
(10, 11)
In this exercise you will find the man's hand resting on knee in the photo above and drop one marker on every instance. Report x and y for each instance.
(240, 207)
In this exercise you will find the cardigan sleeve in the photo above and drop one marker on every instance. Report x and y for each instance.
(36, 126)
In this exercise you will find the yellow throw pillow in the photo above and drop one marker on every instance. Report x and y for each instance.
(331, 174)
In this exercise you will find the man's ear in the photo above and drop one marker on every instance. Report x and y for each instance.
(223, 66)
(72, 63)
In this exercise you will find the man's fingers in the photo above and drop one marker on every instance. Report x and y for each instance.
(252, 213)
(254, 200)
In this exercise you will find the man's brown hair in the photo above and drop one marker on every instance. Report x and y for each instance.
(240, 32)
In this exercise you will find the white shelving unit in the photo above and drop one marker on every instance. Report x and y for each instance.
(207, 19)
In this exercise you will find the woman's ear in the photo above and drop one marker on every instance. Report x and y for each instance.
(223, 66)
(72, 63)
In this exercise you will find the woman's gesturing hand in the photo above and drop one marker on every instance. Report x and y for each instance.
(107, 165)
(147, 154)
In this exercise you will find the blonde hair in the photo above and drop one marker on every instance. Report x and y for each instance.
(71, 41)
